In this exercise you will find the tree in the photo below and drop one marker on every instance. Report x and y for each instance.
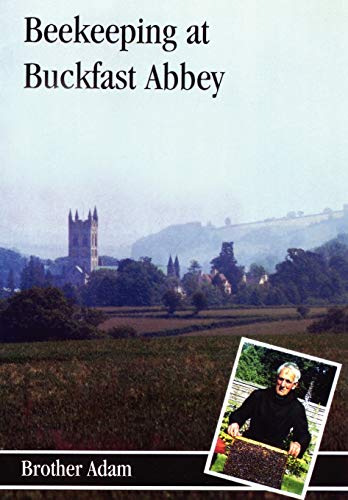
(171, 300)
(256, 271)
(214, 295)
(303, 275)
(135, 283)
(250, 366)
(194, 267)
(339, 264)
(335, 321)
(101, 289)
(226, 264)
(41, 314)
(33, 274)
(243, 295)
(139, 283)
(256, 297)
(199, 301)
(275, 297)
(191, 280)
(72, 293)
(49, 278)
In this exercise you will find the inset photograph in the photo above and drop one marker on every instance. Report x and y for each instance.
(273, 418)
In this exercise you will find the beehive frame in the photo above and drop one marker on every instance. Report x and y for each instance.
(256, 462)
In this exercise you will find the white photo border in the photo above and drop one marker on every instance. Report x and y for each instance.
(243, 341)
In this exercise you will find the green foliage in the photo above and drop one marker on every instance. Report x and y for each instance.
(41, 314)
(136, 283)
(256, 298)
(251, 367)
(275, 296)
(335, 247)
(335, 321)
(101, 289)
(139, 283)
(306, 275)
(194, 267)
(72, 293)
(292, 485)
(93, 317)
(191, 283)
(33, 274)
(171, 300)
(297, 466)
(199, 301)
(219, 463)
(256, 271)
(226, 264)
(214, 295)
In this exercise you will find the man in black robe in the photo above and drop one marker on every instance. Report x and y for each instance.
(274, 412)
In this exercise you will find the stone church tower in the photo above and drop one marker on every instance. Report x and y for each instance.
(83, 241)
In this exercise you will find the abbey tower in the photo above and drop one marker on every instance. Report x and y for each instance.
(83, 241)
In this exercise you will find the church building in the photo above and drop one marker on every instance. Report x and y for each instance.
(83, 241)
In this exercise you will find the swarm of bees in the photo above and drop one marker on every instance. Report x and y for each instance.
(256, 462)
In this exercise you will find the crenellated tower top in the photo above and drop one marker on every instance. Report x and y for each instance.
(83, 241)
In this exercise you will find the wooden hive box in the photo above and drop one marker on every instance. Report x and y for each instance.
(256, 462)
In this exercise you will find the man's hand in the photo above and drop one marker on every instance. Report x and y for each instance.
(233, 429)
(294, 449)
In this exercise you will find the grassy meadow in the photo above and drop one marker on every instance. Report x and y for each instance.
(147, 393)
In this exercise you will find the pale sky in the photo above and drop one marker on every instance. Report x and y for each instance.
(275, 139)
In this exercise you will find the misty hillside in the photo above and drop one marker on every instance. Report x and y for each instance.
(263, 242)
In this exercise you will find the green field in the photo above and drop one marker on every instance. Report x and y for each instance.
(139, 394)
(155, 321)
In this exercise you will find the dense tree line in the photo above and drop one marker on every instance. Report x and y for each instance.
(318, 276)
(135, 283)
(304, 277)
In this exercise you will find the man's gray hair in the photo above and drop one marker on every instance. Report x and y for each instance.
(293, 367)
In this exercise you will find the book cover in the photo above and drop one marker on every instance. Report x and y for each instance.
(180, 168)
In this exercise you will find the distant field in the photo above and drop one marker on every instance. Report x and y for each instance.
(215, 313)
(286, 327)
(143, 324)
(210, 322)
(137, 394)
